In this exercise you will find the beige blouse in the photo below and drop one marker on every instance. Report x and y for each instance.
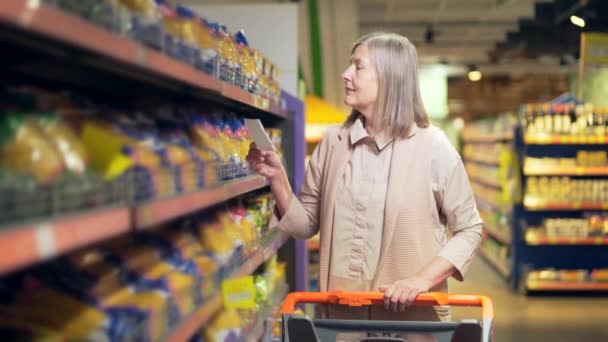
(427, 191)
(359, 213)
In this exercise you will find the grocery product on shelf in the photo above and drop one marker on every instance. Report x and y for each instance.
(487, 153)
(583, 159)
(136, 287)
(249, 323)
(541, 190)
(27, 149)
(570, 118)
(593, 225)
(111, 156)
(581, 276)
(497, 224)
(184, 35)
(493, 129)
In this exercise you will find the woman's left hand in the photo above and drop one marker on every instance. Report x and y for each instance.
(403, 293)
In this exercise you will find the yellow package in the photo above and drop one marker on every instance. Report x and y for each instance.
(154, 303)
(28, 150)
(216, 241)
(73, 152)
(182, 241)
(145, 7)
(107, 277)
(206, 137)
(182, 286)
(207, 268)
(210, 164)
(71, 318)
(226, 326)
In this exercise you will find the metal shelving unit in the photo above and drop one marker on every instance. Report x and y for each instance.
(102, 59)
(559, 253)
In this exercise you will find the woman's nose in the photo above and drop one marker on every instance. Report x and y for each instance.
(346, 75)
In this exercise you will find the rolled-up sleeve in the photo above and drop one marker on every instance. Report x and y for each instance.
(302, 217)
(457, 204)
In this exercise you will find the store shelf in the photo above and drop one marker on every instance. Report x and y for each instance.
(534, 204)
(23, 245)
(59, 26)
(499, 266)
(565, 140)
(485, 182)
(498, 236)
(487, 138)
(482, 160)
(192, 324)
(542, 241)
(542, 285)
(158, 211)
(487, 205)
(566, 171)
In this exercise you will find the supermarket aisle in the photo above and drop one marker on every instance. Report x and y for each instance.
(520, 318)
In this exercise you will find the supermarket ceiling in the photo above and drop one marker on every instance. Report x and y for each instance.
(486, 31)
(483, 32)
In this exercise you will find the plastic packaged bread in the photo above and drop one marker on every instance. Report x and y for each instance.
(73, 152)
(27, 149)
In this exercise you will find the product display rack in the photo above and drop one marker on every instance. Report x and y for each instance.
(65, 41)
(33, 22)
(490, 190)
(533, 253)
(190, 325)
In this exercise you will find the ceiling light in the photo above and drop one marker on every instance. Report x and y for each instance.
(475, 75)
(578, 21)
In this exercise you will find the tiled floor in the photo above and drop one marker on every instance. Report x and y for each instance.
(534, 318)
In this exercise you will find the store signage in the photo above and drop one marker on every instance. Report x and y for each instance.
(595, 48)
(239, 293)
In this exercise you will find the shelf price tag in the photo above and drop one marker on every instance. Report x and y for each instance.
(239, 293)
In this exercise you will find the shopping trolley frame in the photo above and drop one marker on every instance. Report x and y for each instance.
(324, 330)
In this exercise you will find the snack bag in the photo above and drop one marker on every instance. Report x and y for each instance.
(247, 62)
(216, 241)
(140, 20)
(73, 151)
(209, 47)
(206, 136)
(93, 277)
(26, 149)
(226, 326)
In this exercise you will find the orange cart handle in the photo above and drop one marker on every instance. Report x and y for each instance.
(357, 299)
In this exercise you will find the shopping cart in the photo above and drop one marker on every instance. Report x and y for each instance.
(298, 328)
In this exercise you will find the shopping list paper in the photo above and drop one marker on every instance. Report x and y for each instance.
(259, 135)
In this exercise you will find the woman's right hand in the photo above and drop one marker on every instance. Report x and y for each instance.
(268, 164)
(265, 163)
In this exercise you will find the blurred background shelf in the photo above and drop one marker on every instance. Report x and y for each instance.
(540, 241)
(538, 285)
(500, 266)
(565, 140)
(566, 171)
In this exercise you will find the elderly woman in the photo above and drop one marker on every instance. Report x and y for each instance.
(381, 191)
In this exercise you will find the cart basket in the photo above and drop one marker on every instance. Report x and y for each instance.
(298, 328)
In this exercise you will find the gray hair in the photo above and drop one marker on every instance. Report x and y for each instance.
(399, 102)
